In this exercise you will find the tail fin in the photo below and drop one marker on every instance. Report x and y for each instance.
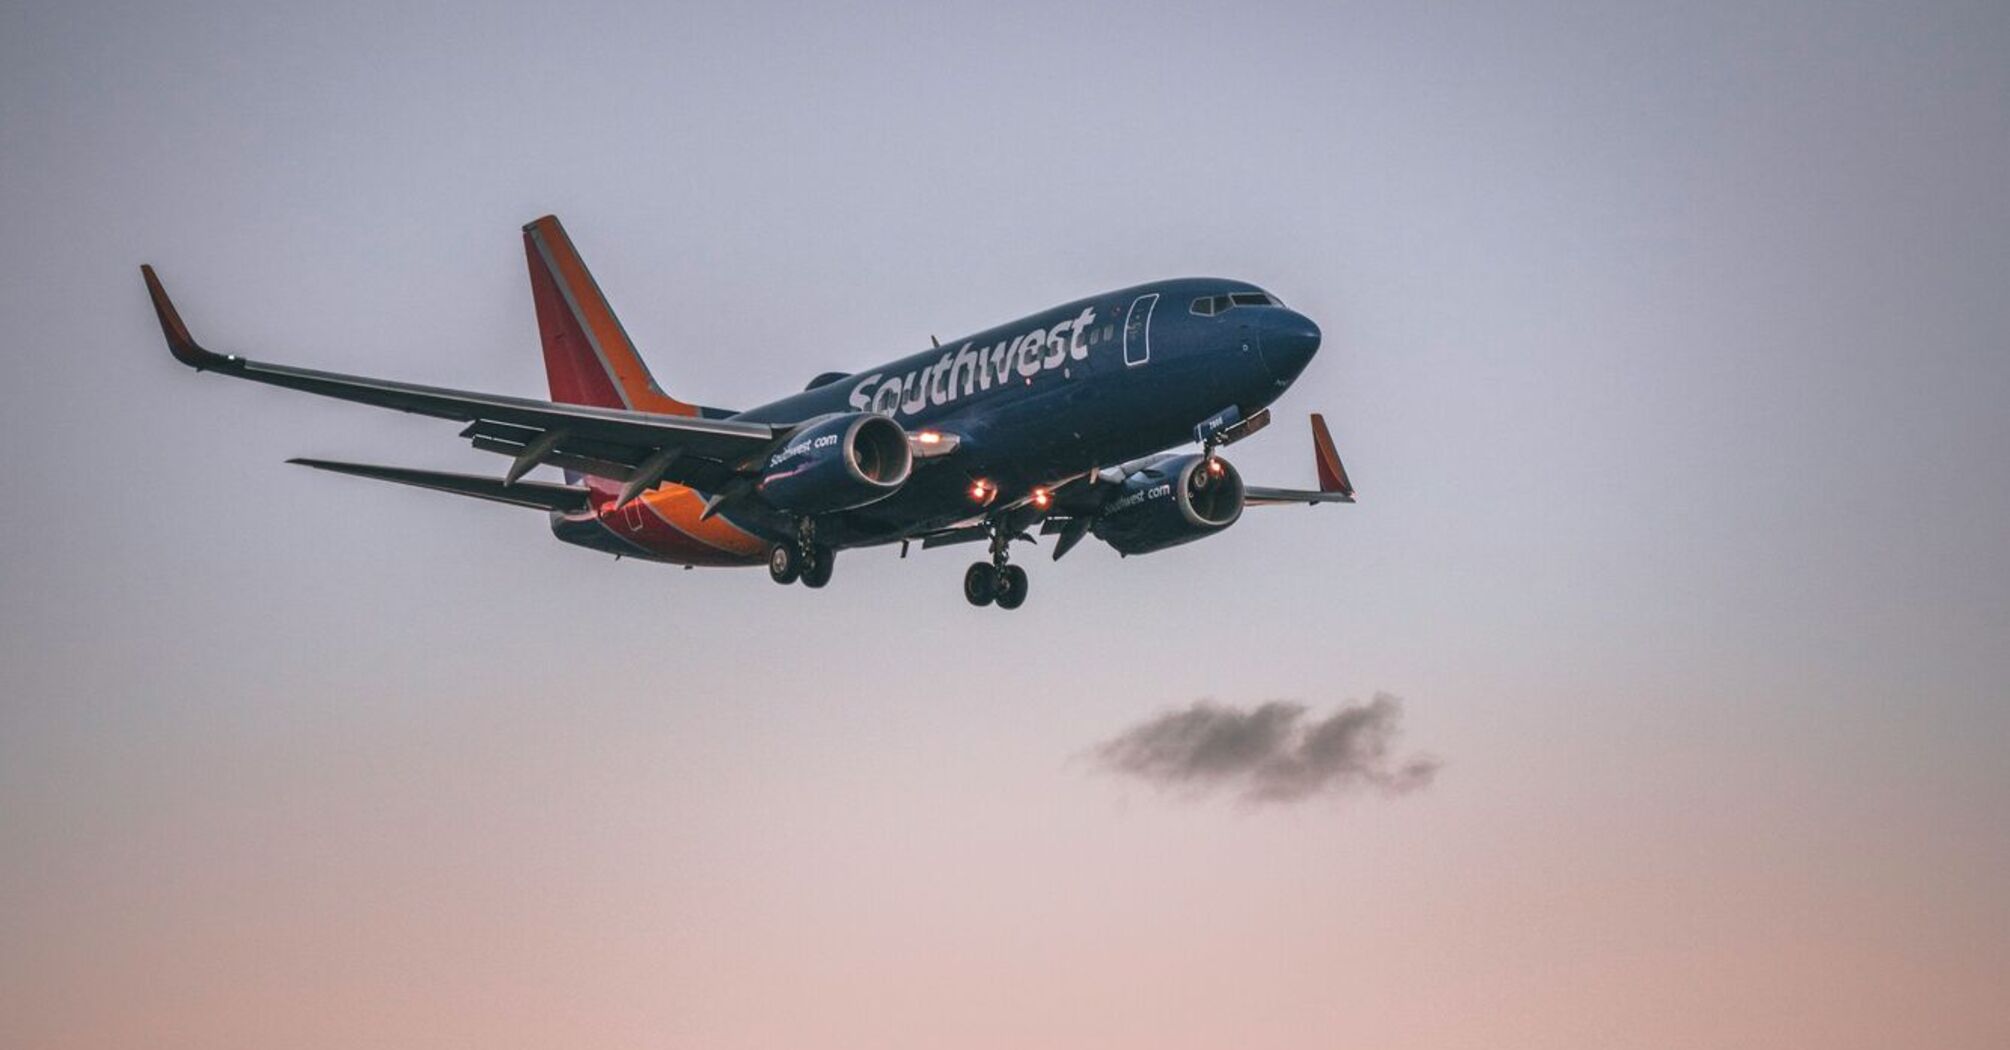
(587, 355)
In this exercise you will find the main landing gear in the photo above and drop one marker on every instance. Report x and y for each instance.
(996, 580)
(984, 583)
(805, 559)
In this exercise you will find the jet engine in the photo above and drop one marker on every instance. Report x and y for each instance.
(837, 463)
(1176, 500)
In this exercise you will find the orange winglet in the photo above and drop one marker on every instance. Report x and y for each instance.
(183, 346)
(1332, 473)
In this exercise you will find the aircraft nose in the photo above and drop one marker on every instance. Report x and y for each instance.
(1289, 341)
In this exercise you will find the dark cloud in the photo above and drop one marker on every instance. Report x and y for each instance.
(1270, 753)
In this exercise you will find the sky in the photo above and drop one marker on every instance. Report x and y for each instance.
(1668, 346)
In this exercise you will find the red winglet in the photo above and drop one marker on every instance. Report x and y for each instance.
(1332, 473)
(184, 347)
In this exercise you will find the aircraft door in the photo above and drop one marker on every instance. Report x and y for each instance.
(1138, 330)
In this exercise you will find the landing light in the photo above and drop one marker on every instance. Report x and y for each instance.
(1042, 498)
(981, 491)
(928, 444)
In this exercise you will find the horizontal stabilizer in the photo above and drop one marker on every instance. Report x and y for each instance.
(535, 494)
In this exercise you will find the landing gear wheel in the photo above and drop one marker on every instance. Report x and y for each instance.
(1011, 587)
(817, 566)
(785, 563)
(980, 583)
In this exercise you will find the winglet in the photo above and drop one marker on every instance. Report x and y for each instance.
(1332, 473)
(180, 343)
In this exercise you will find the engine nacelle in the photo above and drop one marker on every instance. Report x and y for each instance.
(1174, 501)
(837, 463)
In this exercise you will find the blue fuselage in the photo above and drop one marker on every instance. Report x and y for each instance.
(1088, 384)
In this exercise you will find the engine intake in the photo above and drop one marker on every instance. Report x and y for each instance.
(838, 463)
(1174, 501)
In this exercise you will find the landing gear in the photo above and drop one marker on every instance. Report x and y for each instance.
(984, 583)
(1010, 587)
(785, 563)
(996, 580)
(804, 559)
(980, 583)
(818, 565)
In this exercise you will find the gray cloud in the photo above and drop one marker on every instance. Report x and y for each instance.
(1270, 753)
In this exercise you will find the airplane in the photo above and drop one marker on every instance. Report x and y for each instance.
(1064, 421)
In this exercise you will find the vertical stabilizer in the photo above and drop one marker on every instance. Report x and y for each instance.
(587, 355)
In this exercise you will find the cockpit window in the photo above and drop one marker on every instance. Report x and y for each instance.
(1214, 304)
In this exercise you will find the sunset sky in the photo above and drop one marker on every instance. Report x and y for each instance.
(1668, 344)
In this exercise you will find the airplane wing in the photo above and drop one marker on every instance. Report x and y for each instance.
(1264, 496)
(1074, 510)
(639, 448)
(1334, 485)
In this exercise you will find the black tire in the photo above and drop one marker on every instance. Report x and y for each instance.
(1011, 587)
(817, 567)
(785, 563)
(980, 583)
